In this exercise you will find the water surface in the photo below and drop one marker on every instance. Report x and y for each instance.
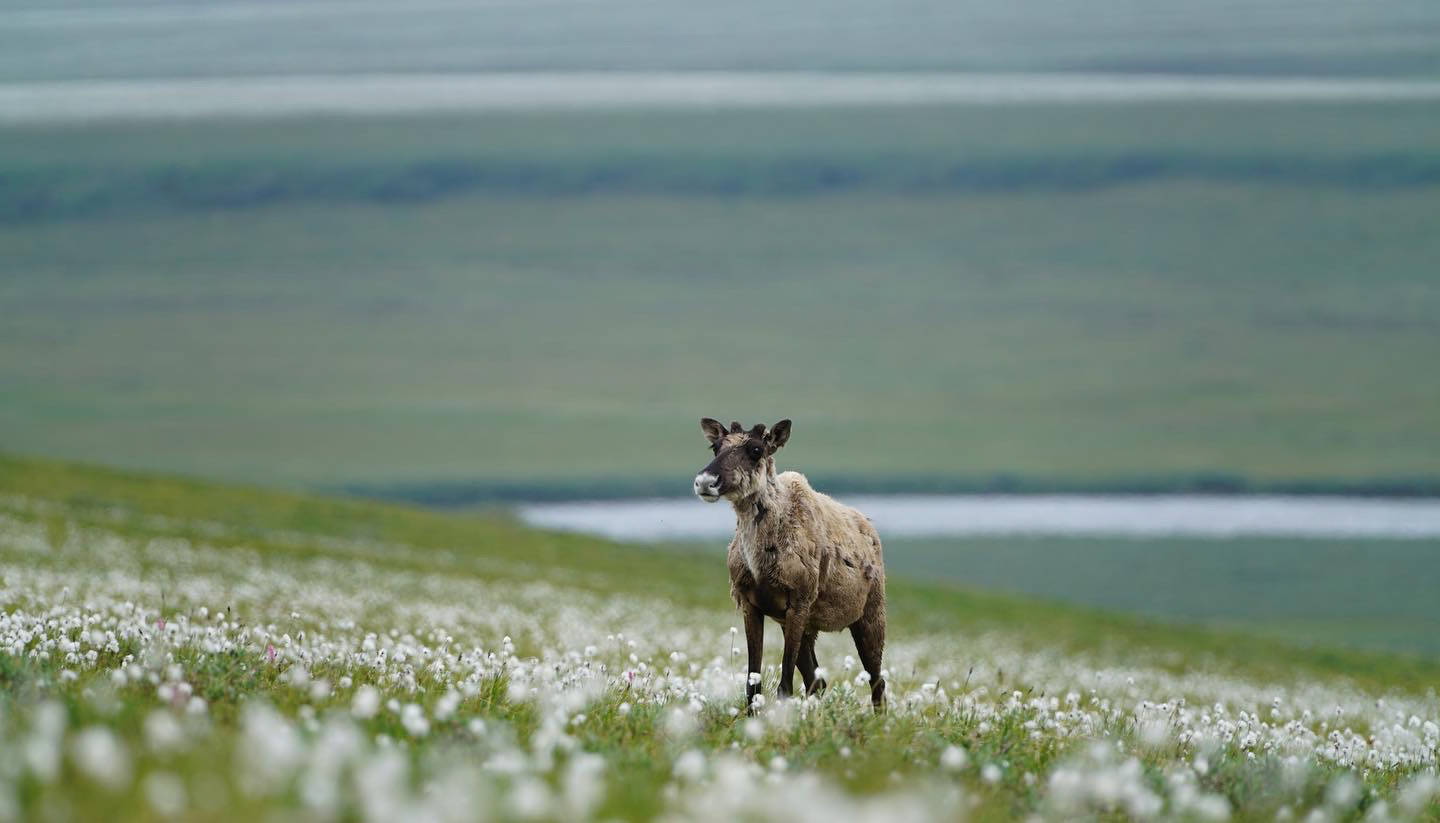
(380, 94)
(1030, 515)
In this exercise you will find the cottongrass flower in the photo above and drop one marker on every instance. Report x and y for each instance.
(1343, 792)
(681, 723)
(690, 766)
(530, 798)
(165, 792)
(41, 747)
(954, 758)
(583, 785)
(338, 746)
(1416, 793)
(380, 785)
(412, 717)
(163, 733)
(102, 757)
(445, 707)
(366, 702)
(269, 750)
(754, 728)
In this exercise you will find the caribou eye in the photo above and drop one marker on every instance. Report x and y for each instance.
(755, 451)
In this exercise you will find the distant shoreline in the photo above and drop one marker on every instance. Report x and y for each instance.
(459, 494)
(182, 98)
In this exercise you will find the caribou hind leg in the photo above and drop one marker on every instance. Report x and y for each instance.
(869, 634)
(807, 663)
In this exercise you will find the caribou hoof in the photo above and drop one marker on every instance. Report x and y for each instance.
(817, 686)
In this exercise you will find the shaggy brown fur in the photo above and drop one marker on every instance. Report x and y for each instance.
(798, 557)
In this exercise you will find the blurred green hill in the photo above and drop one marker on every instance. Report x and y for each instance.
(1232, 296)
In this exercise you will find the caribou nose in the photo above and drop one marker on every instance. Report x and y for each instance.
(707, 486)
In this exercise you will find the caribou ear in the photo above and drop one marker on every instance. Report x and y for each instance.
(714, 429)
(778, 435)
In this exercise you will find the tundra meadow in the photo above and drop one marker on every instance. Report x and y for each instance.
(179, 650)
(461, 254)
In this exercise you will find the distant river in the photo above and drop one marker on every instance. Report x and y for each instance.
(1054, 515)
(293, 95)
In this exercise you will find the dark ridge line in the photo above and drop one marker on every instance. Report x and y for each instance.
(455, 494)
(32, 196)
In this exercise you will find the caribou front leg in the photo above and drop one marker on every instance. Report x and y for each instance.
(754, 647)
(794, 627)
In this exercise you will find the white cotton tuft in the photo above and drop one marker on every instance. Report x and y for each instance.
(366, 702)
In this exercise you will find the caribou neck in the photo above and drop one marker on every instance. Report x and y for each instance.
(760, 507)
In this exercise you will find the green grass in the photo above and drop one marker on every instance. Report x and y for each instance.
(278, 560)
(1184, 323)
(500, 547)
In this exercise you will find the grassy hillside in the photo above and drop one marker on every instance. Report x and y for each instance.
(1075, 295)
(1365, 593)
(181, 648)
